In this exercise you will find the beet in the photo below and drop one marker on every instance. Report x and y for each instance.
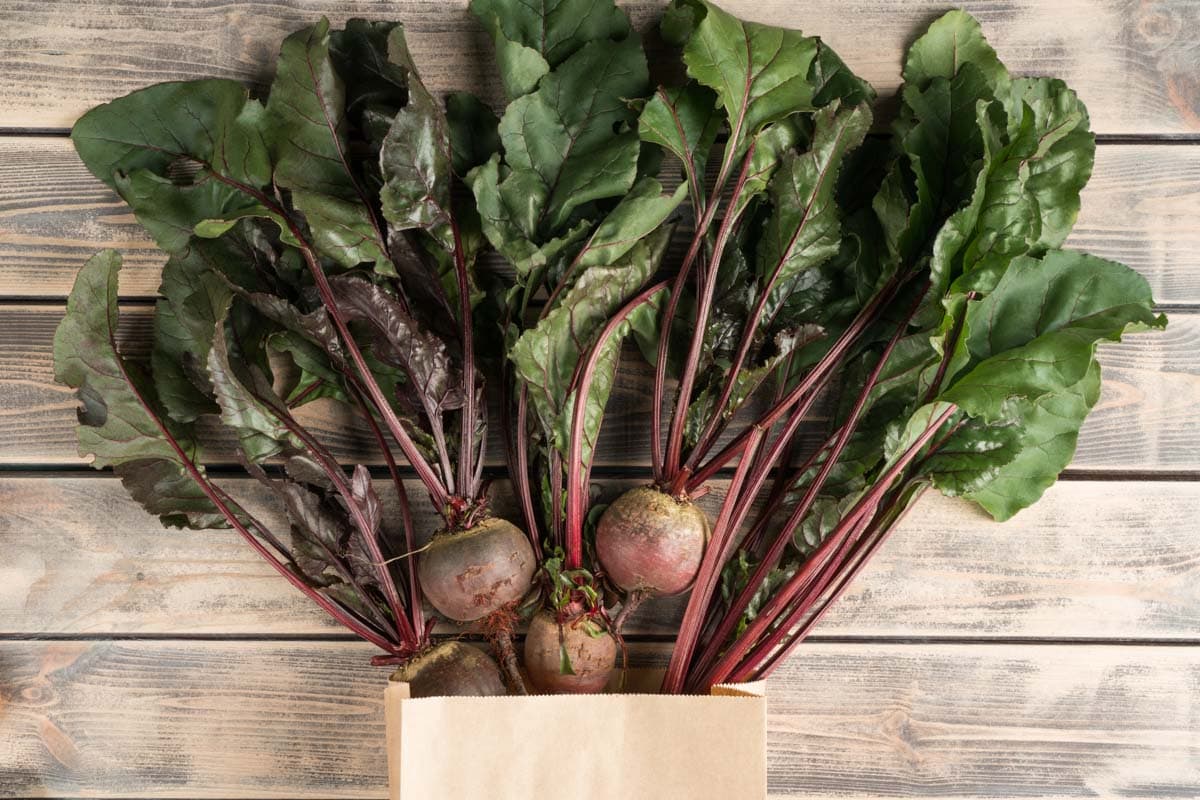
(649, 542)
(592, 657)
(469, 574)
(452, 669)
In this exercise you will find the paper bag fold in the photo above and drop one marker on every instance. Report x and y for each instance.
(585, 747)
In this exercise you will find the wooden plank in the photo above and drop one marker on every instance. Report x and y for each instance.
(54, 215)
(300, 720)
(1140, 208)
(1148, 417)
(1091, 560)
(1133, 64)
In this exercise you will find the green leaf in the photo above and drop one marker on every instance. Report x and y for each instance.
(120, 422)
(771, 146)
(1062, 290)
(1062, 163)
(904, 433)
(1048, 432)
(343, 230)
(641, 319)
(973, 454)
(553, 29)
(167, 491)
(805, 229)
(248, 403)
(171, 212)
(374, 84)
(209, 124)
(950, 42)
(545, 356)
(1031, 346)
(685, 121)
(193, 300)
(942, 144)
(564, 660)
(415, 160)
(759, 72)
(833, 80)
(1036, 333)
(639, 214)
(504, 211)
(559, 141)
(306, 112)
(821, 520)
(520, 67)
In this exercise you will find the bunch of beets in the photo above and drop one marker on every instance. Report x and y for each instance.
(835, 321)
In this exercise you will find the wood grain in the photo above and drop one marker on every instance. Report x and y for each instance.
(1133, 63)
(1148, 417)
(1091, 560)
(248, 719)
(1140, 208)
(952, 713)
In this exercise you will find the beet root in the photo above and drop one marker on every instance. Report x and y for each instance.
(469, 574)
(649, 542)
(452, 669)
(592, 657)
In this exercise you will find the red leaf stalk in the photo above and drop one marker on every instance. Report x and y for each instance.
(578, 475)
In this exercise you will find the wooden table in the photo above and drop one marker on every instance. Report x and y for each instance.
(1057, 655)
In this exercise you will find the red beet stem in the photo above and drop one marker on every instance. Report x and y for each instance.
(782, 599)
(816, 378)
(703, 306)
(578, 476)
(738, 607)
(710, 572)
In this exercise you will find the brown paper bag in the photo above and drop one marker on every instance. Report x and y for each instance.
(625, 746)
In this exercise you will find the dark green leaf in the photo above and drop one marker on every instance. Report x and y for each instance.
(248, 403)
(473, 131)
(951, 41)
(685, 121)
(640, 319)
(415, 160)
(210, 124)
(120, 423)
(805, 229)
(307, 133)
(553, 29)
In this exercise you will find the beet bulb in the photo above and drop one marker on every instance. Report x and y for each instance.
(452, 669)
(590, 650)
(469, 574)
(651, 543)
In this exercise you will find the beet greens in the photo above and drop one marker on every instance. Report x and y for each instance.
(968, 364)
(571, 203)
(848, 319)
(316, 249)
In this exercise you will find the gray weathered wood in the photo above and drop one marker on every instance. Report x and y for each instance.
(1091, 560)
(251, 717)
(300, 720)
(1147, 419)
(1139, 208)
(1133, 63)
